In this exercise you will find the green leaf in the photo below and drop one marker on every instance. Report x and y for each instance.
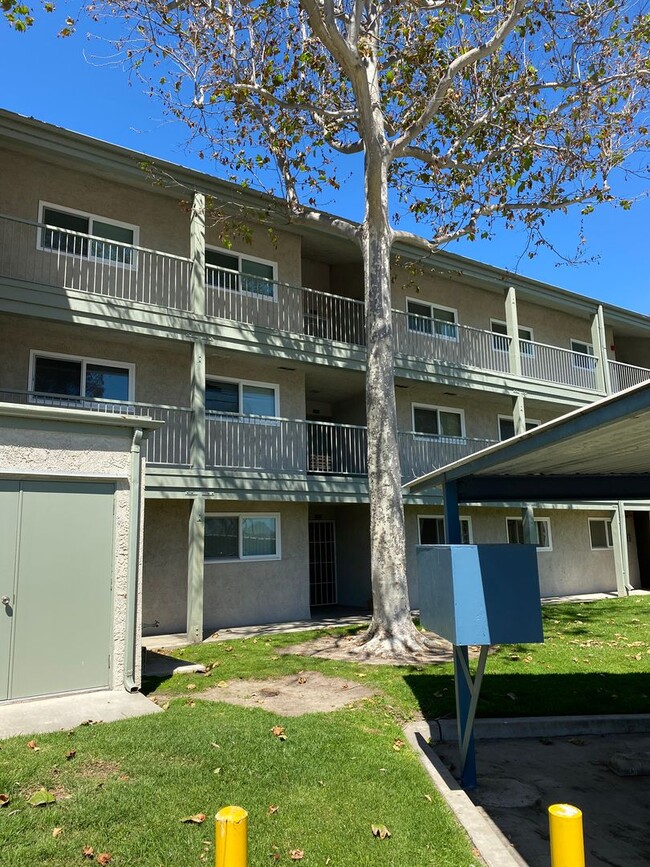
(41, 798)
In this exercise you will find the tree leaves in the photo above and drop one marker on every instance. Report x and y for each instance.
(196, 819)
(41, 798)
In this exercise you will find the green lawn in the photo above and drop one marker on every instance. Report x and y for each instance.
(128, 784)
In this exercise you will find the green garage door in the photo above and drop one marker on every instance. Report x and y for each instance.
(56, 563)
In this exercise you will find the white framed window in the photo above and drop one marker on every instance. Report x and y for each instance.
(441, 421)
(245, 536)
(67, 231)
(428, 318)
(75, 376)
(501, 341)
(515, 533)
(431, 530)
(225, 269)
(600, 534)
(584, 357)
(506, 426)
(242, 397)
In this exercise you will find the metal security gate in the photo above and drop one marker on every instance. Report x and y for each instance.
(322, 563)
(56, 566)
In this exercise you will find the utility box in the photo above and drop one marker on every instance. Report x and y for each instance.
(480, 594)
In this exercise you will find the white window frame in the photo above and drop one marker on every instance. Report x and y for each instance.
(431, 305)
(129, 266)
(546, 521)
(241, 383)
(583, 360)
(528, 350)
(84, 360)
(608, 533)
(451, 409)
(529, 421)
(249, 558)
(463, 518)
(239, 256)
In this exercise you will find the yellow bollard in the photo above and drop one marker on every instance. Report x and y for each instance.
(231, 837)
(567, 844)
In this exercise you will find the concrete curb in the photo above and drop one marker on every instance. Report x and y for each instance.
(543, 726)
(486, 837)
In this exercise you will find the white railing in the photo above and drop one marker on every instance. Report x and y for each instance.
(281, 307)
(626, 375)
(553, 364)
(168, 445)
(449, 343)
(420, 454)
(87, 263)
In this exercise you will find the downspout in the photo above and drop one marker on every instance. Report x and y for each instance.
(134, 557)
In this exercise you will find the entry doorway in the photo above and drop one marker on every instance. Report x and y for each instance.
(322, 563)
(642, 533)
(56, 570)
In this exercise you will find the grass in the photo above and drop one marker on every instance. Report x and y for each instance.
(128, 784)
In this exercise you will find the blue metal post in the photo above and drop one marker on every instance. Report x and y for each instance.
(461, 653)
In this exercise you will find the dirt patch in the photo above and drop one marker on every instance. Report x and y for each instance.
(293, 695)
(346, 648)
(99, 770)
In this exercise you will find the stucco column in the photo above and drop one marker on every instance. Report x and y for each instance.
(197, 255)
(512, 325)
(527, 511)
(621, 562)
(599, 342)
(196, 529)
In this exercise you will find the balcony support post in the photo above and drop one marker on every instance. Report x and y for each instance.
(621, 561)
(512, 325)
(196, 530)
(197, 255)
(599, 342)
(527, 511)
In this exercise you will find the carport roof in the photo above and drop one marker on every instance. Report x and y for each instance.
(597, 452)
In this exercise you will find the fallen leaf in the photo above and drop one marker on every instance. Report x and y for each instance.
(428, 797)
(56, 832)
(228, 649)
(191, 686)
(398, 744)
(511, 696)
(197, 819)
(41, 798)
(165, 706)
(278, 731)
(302, 680)
(380, 831)
(296, 854)
(217, 771)
(578, 742)
(222, 684)
(103, 858)
(191, 704)
(216, 746)
(32, 746)
(88, 852)
(69, 756)
(273, 808)
(4, 800)
(275, 657)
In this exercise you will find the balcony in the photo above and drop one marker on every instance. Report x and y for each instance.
(108, 270)
(266, 444)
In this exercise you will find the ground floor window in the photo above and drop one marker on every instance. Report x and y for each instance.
(431, 530)
(600, 533)
(251, 536)
(515, 532)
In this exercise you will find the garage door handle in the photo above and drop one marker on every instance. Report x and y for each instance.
(5, 600)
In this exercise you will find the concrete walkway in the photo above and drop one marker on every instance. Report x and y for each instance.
(68, 711)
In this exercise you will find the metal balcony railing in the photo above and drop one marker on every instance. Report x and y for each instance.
(420, 454)
(553, 364)
(86, 263)
(626, 375)
(168, 445)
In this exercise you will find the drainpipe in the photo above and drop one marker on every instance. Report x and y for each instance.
(134, 556)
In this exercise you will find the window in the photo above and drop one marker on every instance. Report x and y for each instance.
(430, 319)
(507, 426)
(431, 530)
(228, 270)
(81, 377)
(251, 536)
(438, 421)
(600, 533)
(585, 357)
(244, 398)
(116, 246)
(502, 342)
(515, 532)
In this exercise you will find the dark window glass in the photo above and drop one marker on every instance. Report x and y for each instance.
(108, 382)
(421, 319)
(222, 538)
(57, 376)
(112, 252)
(425, 421)
(222, 396)
(432, 531)
(61, 241)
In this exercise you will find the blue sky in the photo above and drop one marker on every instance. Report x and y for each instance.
(72, 83)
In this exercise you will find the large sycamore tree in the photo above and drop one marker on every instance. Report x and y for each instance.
(468, 116)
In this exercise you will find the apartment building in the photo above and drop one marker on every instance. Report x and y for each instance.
(120, 295)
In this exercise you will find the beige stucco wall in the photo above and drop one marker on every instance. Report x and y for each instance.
(553, 327)
(254, 369)
(164, 575)
(264, 591)
(58, 450)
